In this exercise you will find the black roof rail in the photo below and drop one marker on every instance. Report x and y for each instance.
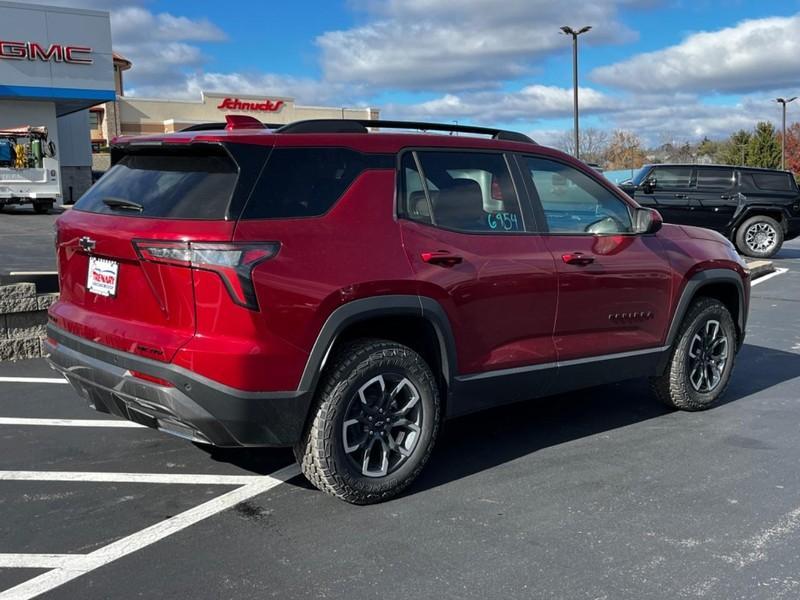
(361, 125)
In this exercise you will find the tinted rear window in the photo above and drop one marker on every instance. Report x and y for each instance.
(778, 182)
(166, 186)
(307, 182)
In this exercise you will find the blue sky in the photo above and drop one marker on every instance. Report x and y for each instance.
(668, 70)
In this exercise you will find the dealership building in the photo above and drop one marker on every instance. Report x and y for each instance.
(58, 71)
(55, 63)
(128, 115)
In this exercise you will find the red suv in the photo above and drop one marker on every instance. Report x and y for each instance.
(343, 291)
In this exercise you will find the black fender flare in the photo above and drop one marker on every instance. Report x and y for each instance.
(749, 210)
(380, 306)
(694, 285)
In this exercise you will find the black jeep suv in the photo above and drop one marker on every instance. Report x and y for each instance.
(755, 208)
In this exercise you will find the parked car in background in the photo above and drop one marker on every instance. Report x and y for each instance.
(757, 209)
(343, 291)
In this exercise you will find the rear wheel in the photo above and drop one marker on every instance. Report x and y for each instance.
(702, 358)
(374, 423)
(41, 208)
(759, 237)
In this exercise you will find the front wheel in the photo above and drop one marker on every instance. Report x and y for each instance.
(759, 237)
(702, 358)
(374, 422)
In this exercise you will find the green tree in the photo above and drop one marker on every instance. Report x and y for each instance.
(733, 151)
(710, 148)
(764, 149)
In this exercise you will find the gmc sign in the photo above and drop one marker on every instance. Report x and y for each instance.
(76, 55)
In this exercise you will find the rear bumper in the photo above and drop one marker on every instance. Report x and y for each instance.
(192, 407)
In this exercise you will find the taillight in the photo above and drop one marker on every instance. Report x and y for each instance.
(497, 191)
(232, 261)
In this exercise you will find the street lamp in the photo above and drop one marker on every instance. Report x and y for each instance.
(570, 31)
(784, 102)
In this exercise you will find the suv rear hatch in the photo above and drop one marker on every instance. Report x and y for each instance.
(124, 251)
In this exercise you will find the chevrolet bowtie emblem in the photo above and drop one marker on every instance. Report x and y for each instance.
(87, 243)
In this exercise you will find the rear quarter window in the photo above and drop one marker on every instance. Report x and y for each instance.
(307, 182)
(774, 182)
(170, 186)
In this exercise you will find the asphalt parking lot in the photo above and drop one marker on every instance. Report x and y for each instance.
(597, 494)
(26, 240)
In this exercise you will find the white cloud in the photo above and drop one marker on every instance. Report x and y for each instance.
(465, 54)
(162, 46)
(304, 90)
(529, 104)
(680, 117)
(131, 24)
(758, 54)
(434, 45)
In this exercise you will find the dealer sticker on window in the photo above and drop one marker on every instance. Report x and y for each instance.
(102, 278)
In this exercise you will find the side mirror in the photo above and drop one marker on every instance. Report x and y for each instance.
(649, 186)
(647, 220)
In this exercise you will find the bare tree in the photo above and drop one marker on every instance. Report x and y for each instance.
(593, 144)
(624, 151)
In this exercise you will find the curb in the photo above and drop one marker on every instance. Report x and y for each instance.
(759, 268)
(23, 319)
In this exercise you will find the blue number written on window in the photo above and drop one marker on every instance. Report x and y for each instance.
(503, 220)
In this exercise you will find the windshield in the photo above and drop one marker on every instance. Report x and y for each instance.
(639, 176)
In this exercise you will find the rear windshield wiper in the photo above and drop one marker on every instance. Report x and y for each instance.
(123, 204)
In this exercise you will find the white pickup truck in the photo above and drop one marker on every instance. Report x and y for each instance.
(29, 170)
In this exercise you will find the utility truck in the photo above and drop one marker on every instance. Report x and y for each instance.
(29, 170)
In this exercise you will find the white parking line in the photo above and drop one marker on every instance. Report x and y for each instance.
(775, 273)
(32, 380)
(141, 539)
(67, 422)
(37, 561)
(90, 476)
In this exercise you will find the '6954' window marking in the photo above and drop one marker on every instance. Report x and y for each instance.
(503, 220)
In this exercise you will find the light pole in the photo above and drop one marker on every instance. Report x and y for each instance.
(570, 31)
(784, 102)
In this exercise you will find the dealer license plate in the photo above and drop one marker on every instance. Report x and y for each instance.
(102, 278)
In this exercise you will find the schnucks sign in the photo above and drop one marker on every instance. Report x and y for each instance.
(77, 55)
(236, 104)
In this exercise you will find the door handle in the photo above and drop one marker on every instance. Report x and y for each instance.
(577, 258)
(442, 258)
(684, 196)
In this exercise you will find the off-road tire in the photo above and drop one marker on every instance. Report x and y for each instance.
(674, 388)
(741, 233)
(321, 452)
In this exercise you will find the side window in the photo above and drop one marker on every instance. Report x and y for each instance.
(469, 191)
(574, 202)
(303, 182)
(714, 178)
(672, 177)
(776, 182)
